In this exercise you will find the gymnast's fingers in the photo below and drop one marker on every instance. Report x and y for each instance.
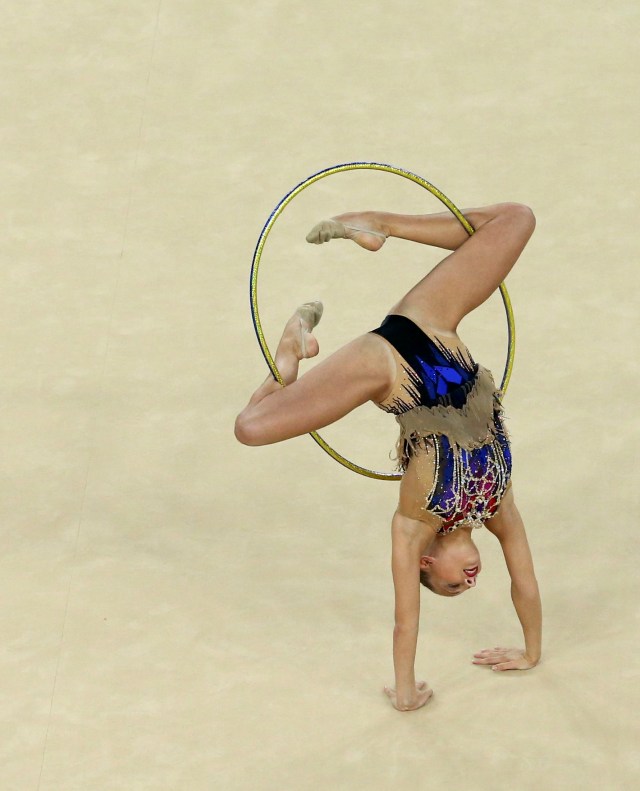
(506, 666)
(491, 651)
(489, 657)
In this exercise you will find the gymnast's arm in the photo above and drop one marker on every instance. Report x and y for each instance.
(408, 542)
(508, 528)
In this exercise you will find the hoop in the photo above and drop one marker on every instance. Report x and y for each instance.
(255, 314)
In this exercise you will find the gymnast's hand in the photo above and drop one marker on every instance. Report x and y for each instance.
(416, 701)
(504, 659)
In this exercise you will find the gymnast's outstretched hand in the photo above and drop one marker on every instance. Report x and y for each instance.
(417, 701)
(504, 659)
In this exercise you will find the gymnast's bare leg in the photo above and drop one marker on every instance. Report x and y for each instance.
(364, 369)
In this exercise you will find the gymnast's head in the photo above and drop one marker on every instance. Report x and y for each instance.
(451, 564)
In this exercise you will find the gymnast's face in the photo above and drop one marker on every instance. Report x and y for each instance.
(453, 564)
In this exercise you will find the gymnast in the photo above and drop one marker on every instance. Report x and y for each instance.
(453, 450)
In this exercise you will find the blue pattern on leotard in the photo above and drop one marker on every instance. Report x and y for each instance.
(436, 372)
(480, 498)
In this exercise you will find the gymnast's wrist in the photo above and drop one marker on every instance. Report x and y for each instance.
(405, 690)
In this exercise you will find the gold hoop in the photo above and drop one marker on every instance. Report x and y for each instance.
(255, 314)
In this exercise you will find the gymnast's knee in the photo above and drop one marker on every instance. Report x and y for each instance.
(247, 431)
(519, 212)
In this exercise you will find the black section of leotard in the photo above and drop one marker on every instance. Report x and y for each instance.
(439, 376)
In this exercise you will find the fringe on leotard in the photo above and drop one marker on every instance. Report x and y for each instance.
(470, 426)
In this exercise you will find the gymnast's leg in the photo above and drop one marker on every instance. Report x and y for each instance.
(463, 280)
(361, 371)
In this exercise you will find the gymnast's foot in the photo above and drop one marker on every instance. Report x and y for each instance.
(297, 338)
(364, 228)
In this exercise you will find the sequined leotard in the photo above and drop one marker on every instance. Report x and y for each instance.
(448, 405)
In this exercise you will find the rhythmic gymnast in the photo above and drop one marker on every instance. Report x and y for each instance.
(453, 449)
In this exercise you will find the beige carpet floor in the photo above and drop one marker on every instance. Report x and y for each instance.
(181, 613)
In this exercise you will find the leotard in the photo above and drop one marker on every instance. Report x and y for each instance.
(448, 405)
